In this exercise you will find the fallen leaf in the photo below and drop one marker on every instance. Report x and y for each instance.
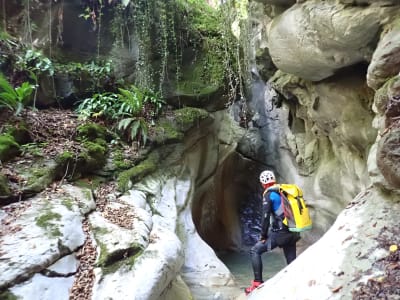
(337, 289)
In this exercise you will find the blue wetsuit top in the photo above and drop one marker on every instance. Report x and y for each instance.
(271, 206)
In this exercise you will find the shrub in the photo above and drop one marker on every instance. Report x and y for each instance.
(14, 98)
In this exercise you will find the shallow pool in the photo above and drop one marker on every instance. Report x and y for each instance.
(240, 265)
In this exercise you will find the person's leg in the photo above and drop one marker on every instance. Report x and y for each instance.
(255, 253)
(256, 261)
(289, 249)
(290, 252)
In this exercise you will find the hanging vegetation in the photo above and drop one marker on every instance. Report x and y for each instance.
(178, 47)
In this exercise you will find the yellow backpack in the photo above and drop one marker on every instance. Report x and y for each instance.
(297, 217)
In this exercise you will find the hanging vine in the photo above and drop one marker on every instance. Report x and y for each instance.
(157, 32)
(4, 12)
(28, 24)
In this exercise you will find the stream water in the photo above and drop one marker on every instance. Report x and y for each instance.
(240, 265)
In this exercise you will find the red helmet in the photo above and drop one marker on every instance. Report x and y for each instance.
(267, 177)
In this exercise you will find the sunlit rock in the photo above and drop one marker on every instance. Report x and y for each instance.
(344, 258)
(315, 39)
(49, 226)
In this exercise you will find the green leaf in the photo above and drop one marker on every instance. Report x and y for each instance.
(5, 85)
(123, 124)
(10, 98)
(134, 129)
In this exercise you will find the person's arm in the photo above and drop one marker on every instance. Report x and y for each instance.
(266, 214)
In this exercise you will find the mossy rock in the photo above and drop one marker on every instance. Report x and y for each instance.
(90, 182)
(20, 133)
(188, 117)
(46, 221)
(93, 156)
(198, 87)
(120, 161)
(91, 132)
(7, 295)
(125, 257)
(64, 158)
(9, 148)
(135, 174)
(39, 176)
(166, 132)
(5, 191)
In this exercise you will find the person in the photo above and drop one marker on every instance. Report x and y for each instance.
(279, 236)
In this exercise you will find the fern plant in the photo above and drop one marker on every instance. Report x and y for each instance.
(139, 107)
(14, 98)
(104, 105)
(136, 128)
(132, 101)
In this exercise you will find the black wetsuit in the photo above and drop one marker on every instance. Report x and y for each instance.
(279, 236)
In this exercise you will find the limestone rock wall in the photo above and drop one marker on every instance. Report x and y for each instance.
(145, 244)
(337, 85)
(337, 88)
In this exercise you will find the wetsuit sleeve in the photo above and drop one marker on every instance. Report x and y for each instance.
(266, 214)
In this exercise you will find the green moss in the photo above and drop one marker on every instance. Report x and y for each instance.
(45, 221)
(197, 89)
(203, 18)
(95, 148)
(7, 295)
(39, 178)
(39, 175)
(93, 157)
(101, 142)
(20, 133)
(165, 133)
(124, 258)
(91, 132)
(34, 149)
(138, 172)
(381, 97)
(90, 182)
(64, 157)
(99, 230)
(120, 161)
(8, 147)
(111, 262)
(4, 188)
(68, 203)
(188, 116)
(103, 254)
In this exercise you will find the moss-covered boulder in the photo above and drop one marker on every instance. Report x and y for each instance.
(211, 97)
(38, 176)
(20, 133)
(136, 173)
(201, 83)
(7, 295)
(188, 117)
(92, 156)
(9, 148)
(165, 132)
(5, 191)
(91, 132)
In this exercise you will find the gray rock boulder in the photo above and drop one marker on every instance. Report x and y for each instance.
(385, 61)
(49, 226)
(315, 39)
